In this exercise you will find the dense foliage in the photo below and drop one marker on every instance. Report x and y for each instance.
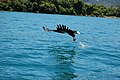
(68, 7)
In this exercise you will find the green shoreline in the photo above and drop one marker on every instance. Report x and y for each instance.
(68, 7)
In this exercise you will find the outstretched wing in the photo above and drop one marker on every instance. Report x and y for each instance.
(64, 28)
(46, 29)
(61, 27)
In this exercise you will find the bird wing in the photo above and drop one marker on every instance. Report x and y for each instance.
(46, 29)
(61, 27)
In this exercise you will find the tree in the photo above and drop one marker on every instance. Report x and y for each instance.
(78, 6)
(47, 7)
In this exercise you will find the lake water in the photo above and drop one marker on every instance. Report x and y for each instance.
(27, 52)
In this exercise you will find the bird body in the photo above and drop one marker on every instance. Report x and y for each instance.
(63, 29)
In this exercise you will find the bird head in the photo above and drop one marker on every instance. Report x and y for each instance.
(76, 32)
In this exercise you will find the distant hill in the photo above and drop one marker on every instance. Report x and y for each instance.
(2, 0)
(105, 2)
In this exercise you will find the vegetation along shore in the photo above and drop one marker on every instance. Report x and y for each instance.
(67, 7)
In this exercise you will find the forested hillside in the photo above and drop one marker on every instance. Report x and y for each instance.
(104, 2)
(67, 7)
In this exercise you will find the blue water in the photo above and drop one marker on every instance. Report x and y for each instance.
(27, 52)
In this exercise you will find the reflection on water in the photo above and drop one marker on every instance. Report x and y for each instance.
(64, 59)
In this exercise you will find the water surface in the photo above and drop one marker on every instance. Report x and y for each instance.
(29, 53)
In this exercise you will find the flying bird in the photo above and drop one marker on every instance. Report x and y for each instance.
(63, 29)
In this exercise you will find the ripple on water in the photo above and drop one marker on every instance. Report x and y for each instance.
(29, 53)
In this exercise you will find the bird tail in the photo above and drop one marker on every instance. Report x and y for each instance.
(47, 29)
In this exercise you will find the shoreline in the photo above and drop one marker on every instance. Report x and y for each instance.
(62, 7)
(114, 17)
(111, 17)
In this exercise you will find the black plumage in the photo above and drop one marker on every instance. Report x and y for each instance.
(64, 29)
